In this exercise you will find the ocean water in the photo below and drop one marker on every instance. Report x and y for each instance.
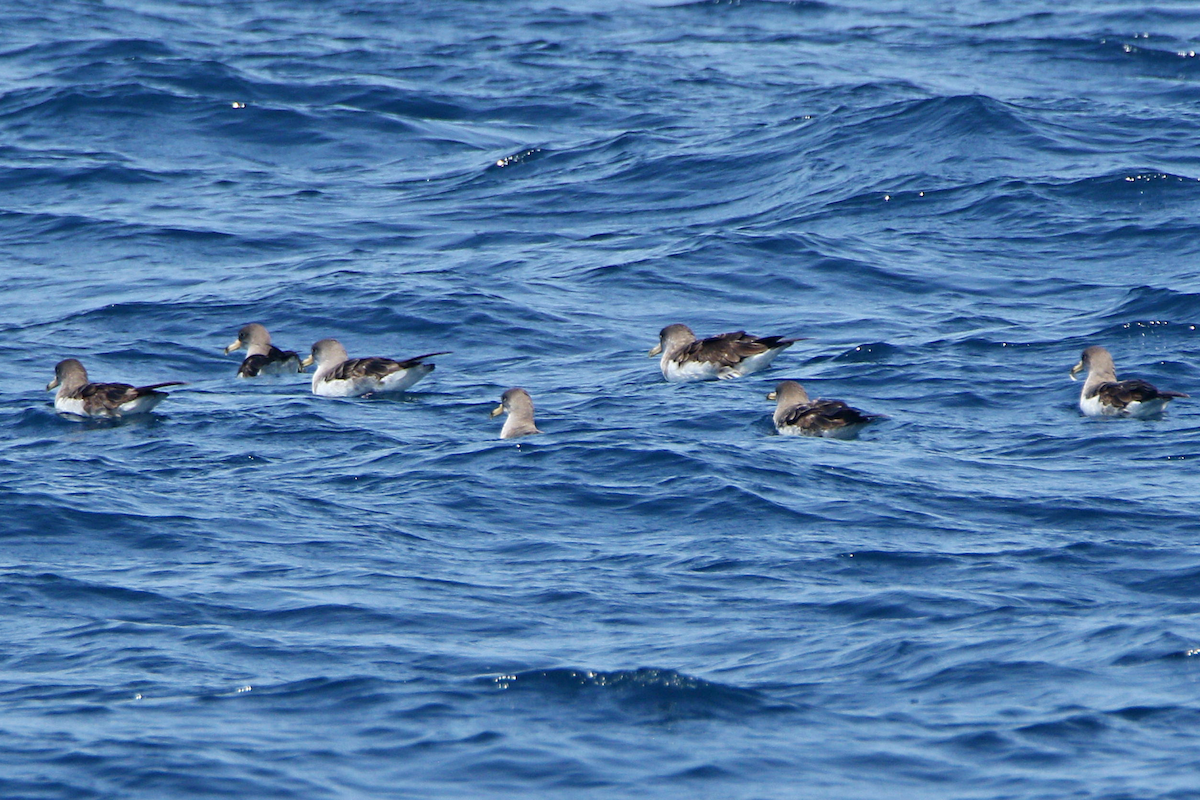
(259, 593)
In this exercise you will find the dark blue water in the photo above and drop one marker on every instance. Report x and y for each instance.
(258, 593)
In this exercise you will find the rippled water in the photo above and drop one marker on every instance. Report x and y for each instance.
(260, 593)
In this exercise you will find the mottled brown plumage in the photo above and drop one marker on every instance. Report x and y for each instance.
(726, 355)
(337, 375)
(796, 414)
(373, 367)
(729, 348)
(262, 357)
(1105, 396)
(76, 395)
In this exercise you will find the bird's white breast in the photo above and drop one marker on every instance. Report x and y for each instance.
(1093, 407)
(338, 388)
(69, 405)
(690, 370)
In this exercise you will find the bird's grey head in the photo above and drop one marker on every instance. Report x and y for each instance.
(253, 337)
(788, 393)
(1096, 360)
(328, 350)
(516, 399)
(68, 373)
(254, 334)
(672, 338)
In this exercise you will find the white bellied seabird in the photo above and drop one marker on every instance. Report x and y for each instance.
(727, 355)
(338, 375)
(519, 405)
(80, 398)
(796, 415)
(262, 357)
(1105, 396)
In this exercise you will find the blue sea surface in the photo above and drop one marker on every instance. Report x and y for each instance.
(259, 593)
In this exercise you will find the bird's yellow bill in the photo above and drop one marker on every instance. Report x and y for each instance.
(497, 411)
(307, 362)
(770, 395)
(235, 346)
(655, 350)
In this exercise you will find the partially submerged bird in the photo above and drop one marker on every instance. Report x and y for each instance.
(519, 405)
(797, 415)
(1105, 396)
(727, 355)
(262, 357)
(338, 375)
(78, 397)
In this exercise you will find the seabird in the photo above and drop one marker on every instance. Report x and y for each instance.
(796, 415)
(83, 399)
(519, 405)
(262, 357)
(727, 355)
(337, 375)
(1105, 396)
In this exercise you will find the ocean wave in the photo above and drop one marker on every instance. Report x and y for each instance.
(646, 693)
(1156, 308)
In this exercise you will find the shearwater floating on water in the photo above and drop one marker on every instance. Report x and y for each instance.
(81, 398)
(1105, 396)
(338, 375)
(797, 415)
(262, 357)
(726, 355)
(519, 406)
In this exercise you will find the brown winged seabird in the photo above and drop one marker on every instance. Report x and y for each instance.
(727, 355)
(1105, 396)
(80, 398)
(338, 375)
(797, 415)
(262, 357)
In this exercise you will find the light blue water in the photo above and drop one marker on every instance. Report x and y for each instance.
(261, 593)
